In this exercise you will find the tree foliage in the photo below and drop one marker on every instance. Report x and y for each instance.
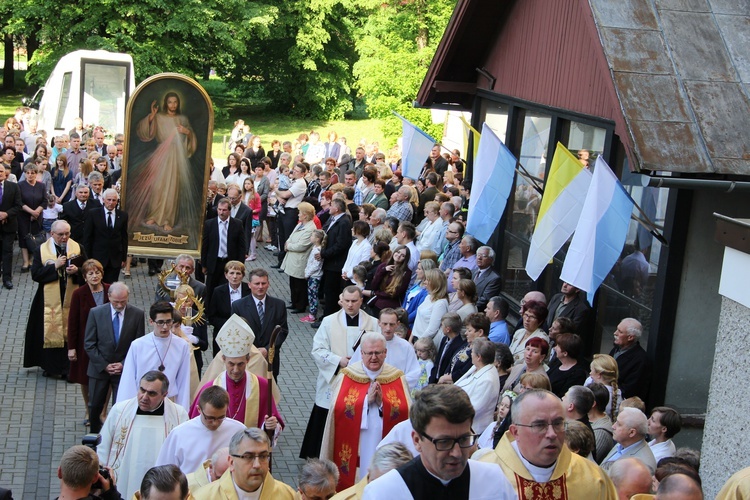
(310, 58)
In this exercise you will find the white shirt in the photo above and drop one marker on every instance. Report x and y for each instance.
(427, 321)
(191, 443)
(359, 251)
(297, 189)
(662, 450)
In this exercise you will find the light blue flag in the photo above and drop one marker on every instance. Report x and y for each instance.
(601, 231)
(492, 180)
(416, 148)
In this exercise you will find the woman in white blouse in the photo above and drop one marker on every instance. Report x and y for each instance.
(360, 249)
(434, 306)
(481, 383)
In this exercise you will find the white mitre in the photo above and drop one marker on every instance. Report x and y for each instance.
(235, 337)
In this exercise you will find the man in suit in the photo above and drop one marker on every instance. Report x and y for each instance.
(99, 145)
(339, 235)
(427, 195)
(240, 211)
(487, 280)
(10, 206)
(263, 313)
(105, 235)
(359, 162)
(225, 295)
(570, 304)
(451, 343)
(74, 211)
(629, 432)
(185, 264)
(632, 361)
(436, 160)
(223, 240)
(96, 183)
(107, 347)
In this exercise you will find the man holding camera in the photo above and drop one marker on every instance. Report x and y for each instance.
(82, 478)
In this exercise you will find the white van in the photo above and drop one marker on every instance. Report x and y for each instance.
(92, 84)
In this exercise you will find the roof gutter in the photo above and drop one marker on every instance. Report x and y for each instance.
(683, 183)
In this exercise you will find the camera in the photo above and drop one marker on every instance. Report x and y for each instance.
(91, 440)
(105, 474)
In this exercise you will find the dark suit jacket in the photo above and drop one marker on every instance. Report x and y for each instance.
(443, 368)
(76, 217)
(12, 205)
(108, 246)
(274, 314)
(198, 287)
(220, 309)
(488, 286)
(635, 372)
(210, 247)
(99, 341)
(339, 237)
(245, 215)
(579, 311)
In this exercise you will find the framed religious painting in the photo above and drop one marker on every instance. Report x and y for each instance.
(168, 134)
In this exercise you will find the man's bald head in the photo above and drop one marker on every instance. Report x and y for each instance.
(679, 487)
(630, 476)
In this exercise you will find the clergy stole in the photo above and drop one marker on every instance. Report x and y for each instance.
(56, 309)
(252, 404)
(347, 418)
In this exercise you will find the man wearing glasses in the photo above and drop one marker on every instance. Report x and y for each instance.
(369, 398)
(248, 474)
(534, 457)
(441, 417)
(195, 441)
(159, 350)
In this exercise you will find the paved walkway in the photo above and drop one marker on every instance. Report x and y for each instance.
(40, 418)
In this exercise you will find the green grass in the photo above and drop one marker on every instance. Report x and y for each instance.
(267, 125)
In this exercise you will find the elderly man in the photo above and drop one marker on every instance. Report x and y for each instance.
(158, 350)
(105, 235)
(55, 269)
(630, 477)
(185, 264)
(189, 444)
(333, 347)
(74, 211)
(441, 417)
(317, 480)
(400, 351)
(135, 429)
(164, 482)
(680, 487)
(79, 472)
(534, 457)
(248, 475)
(632, 361)
(96, 183)
(400, 206)
(487, 280)
(248, 393)
(368, 398)
(110, 330)
(10, 207)
(210, 470)
(377, 219)
(629, 432)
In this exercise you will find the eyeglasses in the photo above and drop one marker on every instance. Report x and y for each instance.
(447, 444)
(372, 353)
(529, 316)
(213, 419)
(164, 322)
(541, 427)
(260, 457)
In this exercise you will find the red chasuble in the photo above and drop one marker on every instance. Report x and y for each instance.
(348, 418)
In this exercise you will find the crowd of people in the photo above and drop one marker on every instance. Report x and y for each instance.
(413, 342)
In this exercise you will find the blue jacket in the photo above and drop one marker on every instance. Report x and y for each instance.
(411, 309)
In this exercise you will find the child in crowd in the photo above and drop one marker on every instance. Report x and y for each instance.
(403, 331)
(425, 349)
(359, 276)
(271, 222)
(284, 184)
(314, 273)
(51, 213)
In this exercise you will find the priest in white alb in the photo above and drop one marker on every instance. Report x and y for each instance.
(135, 429)
(401, 353)
(191, 443)
(159, 350)
(249, 398)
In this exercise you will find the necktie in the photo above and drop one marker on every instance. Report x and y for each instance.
(260, 311)
(109, 220)
(112, 164)
(116, 326)
(222, 239)
(83, 206)
(1, 192)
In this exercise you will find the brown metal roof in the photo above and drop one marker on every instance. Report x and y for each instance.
(680, 71)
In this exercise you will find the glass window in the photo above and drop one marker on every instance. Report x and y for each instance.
(64, 98)
(104, 95)
(586, 142)
(496, 117)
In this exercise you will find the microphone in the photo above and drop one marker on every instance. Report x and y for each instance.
(64, 249)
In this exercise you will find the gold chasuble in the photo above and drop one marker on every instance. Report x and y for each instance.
(573, 478)
(56, 310)
(341, 440)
